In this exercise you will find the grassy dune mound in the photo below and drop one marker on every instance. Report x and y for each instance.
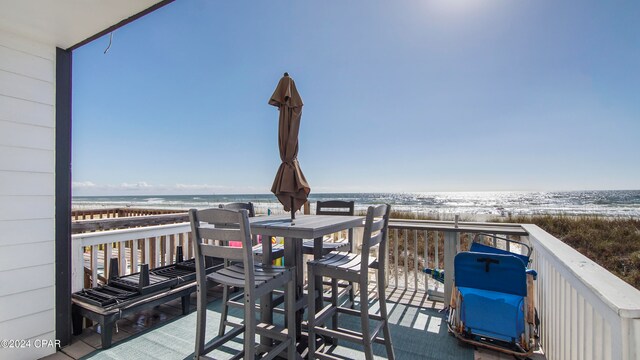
(614, 243)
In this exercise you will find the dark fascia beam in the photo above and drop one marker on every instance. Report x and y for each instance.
(121, 23)
(63, 196)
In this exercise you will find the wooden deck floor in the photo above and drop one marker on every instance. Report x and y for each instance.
(89, 340)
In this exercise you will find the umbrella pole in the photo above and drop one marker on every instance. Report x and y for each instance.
(293, 211)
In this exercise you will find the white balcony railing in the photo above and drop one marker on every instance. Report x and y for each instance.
(418, 244)
(585, 311)
(154, 245)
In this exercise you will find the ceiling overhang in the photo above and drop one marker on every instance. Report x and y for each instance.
(68, 24)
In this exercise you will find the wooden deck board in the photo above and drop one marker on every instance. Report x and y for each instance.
(89, 340)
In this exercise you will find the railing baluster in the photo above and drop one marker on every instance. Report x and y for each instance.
(436, 244)
(159, 251)
(163, 250)
(153, 259)
(167, 250)
(134, 256)
(94, 265)
(122, 257)
(185, 244)
(386, 264)
(181, 241)
(172, 249)
(107, 256)
(426, 260)
(404, 258)
(147, 251)
(166, 246)
(129, 257)
(395, 254)
(415, 259)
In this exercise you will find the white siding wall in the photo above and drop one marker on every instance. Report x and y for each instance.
(27, 191)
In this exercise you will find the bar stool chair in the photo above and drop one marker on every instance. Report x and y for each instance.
(277, 251)
(353, 267)
(256, 279)
(333, 207)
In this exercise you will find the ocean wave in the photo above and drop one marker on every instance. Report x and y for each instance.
(604, 203)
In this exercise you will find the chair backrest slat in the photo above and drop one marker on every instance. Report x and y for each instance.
(380, 210)
(218, 216)
(224, 252)
(240, 206)
(377, 225)
(375, 239)
(220, 234)
(334, 207)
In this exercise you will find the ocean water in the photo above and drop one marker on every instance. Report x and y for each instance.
(603, 203)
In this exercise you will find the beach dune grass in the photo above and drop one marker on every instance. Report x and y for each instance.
(612, 242)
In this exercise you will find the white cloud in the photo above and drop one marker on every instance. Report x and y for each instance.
(198, 186)
(135, 186)
(83, 184)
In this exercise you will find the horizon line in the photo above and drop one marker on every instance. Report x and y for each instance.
(361, 192)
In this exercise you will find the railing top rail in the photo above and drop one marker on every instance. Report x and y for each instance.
(123, 210)
(467, 227)
(102, 237)
(100, 210)
(78, 226)
(434, 225)
(621, 297)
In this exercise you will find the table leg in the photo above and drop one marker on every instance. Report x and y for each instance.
(317, 254)
(266, 313)
(293, 257)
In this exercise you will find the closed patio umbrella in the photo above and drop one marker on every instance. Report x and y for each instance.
(290, 186)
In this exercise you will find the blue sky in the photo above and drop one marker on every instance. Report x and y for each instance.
(400, 96)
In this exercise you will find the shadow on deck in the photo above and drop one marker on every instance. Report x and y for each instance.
(418, 331)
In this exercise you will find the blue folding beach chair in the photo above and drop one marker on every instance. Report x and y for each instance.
(492, 304)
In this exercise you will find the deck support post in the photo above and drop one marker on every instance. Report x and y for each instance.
(63, 197)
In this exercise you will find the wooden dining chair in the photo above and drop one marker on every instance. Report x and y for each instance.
(212, 230)
(354, 267)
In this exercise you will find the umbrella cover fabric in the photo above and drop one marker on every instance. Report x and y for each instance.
(290, 183)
